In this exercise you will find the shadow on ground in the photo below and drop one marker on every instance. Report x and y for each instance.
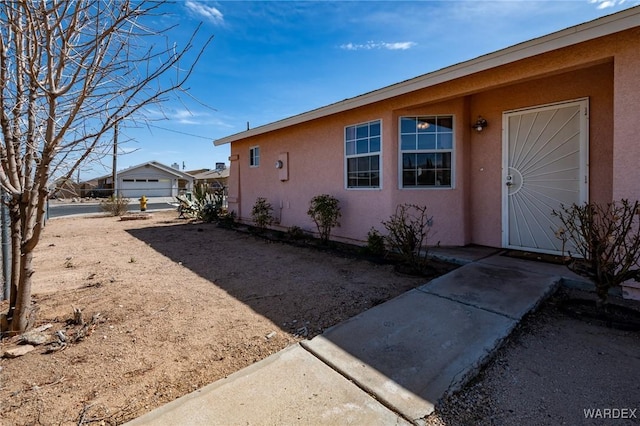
(303, 290)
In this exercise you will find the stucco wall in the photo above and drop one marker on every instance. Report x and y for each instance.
(470, 212)
(485, 171)
(626, 136)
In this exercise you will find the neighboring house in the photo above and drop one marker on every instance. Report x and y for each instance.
(65, 188)
(151, 179)
(562, 126)
(213, 179)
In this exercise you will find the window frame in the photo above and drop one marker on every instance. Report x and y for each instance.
(377, 153)
(252, 156)
(436, 150)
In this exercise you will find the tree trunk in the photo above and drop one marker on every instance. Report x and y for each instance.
(14, 279)
(20, 320)
(21, 272)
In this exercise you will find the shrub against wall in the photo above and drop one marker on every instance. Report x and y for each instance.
(408, 229)
(324, 210)
(262, 213)
(605, 242)
(375, 243)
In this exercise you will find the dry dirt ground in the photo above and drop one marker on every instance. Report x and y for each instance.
(180, 305)
(554, 370)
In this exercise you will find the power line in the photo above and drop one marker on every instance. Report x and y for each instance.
(181, 133)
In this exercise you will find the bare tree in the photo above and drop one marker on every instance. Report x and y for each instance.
(69, 72)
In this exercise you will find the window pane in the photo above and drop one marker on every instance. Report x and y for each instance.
(427, 177)
(374, 129)
(362, 131)
(374, 145)
(408, 142)
(426, 124)
(363, 172)
(445, 160)
(363, 164)
(350, 133)
(445, 141)
(375, 162)
(426, 161)
(427, 141)
(351, 148)
(408, 161)
(408, 125)
(438, 161)
(408, 178)
(443, 178)
(445, 123)
(362, 146)
(351, 164)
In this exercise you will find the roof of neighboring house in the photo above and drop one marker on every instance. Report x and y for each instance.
(212, 174)
(160, 166)
(600, 27)
(195, 172)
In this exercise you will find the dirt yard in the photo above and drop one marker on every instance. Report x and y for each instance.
(180, 305)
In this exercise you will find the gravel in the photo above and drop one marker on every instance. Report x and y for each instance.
(553, 370)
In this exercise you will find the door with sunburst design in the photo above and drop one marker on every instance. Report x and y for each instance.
(545, 166)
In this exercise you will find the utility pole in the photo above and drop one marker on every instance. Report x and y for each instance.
(114, 175)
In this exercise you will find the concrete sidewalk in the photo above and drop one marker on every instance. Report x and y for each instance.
(388, 365)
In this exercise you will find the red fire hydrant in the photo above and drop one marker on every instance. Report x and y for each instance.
(143, 203)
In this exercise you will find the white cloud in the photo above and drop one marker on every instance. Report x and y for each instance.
(209, 13)
(371, 45)
(404, 45)
(185, 116)
(603, 4)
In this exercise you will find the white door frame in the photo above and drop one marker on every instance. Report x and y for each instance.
(584, 160)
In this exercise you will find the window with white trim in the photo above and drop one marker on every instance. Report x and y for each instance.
(426, 151)
(363, 143)
(254, 156)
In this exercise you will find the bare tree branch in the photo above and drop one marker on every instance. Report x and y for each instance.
(70, 72)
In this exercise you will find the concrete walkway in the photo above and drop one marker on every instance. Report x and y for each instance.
(388, 365)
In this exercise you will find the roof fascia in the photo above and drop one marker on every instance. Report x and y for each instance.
(156, 165)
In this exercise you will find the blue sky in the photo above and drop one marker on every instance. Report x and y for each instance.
(273, 59)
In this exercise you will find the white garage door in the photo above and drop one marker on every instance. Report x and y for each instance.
(132, 188)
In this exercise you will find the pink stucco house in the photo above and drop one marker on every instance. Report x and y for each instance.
(491, 145)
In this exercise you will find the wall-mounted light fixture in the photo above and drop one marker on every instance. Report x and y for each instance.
(480, 124)
(279, 164)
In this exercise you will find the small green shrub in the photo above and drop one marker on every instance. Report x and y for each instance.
(116, 206)
(227, 219)
(375, 243)
(324, 210)
(262, 213)
(408, 229)
(295, 233)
